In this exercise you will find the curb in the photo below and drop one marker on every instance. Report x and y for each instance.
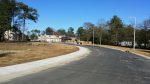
(10, 72)
(141, 55)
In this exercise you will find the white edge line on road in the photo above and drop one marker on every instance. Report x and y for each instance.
(10, 72)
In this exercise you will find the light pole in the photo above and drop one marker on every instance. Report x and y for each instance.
(134, 30)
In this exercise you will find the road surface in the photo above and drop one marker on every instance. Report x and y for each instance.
(101, 66)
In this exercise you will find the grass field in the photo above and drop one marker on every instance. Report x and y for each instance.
(16, 53)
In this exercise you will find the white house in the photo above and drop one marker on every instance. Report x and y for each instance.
(11, 36)
(126, 43)
(50, 38)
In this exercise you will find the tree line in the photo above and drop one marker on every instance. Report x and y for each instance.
(111, 32)
(13, 16)
(114, 31)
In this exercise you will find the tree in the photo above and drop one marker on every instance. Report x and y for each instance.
(115, 25)
(146, 28)
(140, 37)
(14, 11)
(100, 29)
(81, 33)
(28, 33)
(26, 13)
(99, 34)
(10, 11)
(35, 34)
(49, 31)
(70, 32)
(43, 32)
(33, 37)
(88, 27)
(126, 35)
(61, 31)
(129, 34)
(6, 7)
(106, 38)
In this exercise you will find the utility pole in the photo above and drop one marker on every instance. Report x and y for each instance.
(100, 38)
(93, 35)
(135, 19)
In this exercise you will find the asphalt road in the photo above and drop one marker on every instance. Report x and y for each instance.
(102, 66)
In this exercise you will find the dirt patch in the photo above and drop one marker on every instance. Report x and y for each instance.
(26, 52)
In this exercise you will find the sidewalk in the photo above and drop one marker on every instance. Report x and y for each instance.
(14, 71)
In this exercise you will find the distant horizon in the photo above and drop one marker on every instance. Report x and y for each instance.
(73, 13)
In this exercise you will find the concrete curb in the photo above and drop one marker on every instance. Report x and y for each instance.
(141, 55)
(9, 72)
(125, 51)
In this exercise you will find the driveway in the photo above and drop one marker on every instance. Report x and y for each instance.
(101, 66)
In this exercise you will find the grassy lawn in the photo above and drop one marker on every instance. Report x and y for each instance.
(138, 51)
(16, 53)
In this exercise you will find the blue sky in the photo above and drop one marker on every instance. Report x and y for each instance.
(73, 13)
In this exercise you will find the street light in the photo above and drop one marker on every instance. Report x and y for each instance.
(134, 30)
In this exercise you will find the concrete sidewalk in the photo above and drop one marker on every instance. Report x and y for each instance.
(9, 72)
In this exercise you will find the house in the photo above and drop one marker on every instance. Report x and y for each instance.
(71, 40)
(11, 36)
(55, 38)
(50, 38)
(126, 43)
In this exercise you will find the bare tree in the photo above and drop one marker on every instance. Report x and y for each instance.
(146, 28)
(88, 27)
(101, 25)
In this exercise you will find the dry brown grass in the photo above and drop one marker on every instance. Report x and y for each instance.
(16, 53)
(138, 51)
